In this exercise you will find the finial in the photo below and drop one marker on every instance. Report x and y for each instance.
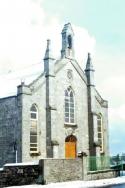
(48, 53)
(89, 55)
(89, 65)
(48, 43)
(68, 27)
(89, 71)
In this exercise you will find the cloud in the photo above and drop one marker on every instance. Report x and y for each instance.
(25, 27)
(17, 33)
(117, 117)
(84, 43)
(110, 79)
(112, 87)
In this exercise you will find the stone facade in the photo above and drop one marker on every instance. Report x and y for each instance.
(47, 92)
(10, 130)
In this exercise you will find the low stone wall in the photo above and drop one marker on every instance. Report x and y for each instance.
(102, 174)
(58, 170)
(19, 174)
(50, 171)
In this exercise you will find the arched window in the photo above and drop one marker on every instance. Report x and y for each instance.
(100, 131)
(33, 129)
(69, 106)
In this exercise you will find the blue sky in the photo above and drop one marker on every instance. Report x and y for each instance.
(103, 18)
(99, 28)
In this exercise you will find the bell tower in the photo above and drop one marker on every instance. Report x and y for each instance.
(67, 41)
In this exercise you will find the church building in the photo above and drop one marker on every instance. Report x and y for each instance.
(58, 115)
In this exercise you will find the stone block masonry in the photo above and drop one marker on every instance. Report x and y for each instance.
(19, 174)
(60, 170)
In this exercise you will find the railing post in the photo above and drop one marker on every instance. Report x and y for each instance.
(84, 158)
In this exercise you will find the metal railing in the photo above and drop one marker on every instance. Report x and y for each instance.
(118, 163)
(98, 163)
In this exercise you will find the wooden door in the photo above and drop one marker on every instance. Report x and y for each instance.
(70, 147)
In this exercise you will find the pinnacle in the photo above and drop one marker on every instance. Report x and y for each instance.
(89, 66)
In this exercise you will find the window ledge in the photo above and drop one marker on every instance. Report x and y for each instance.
(33, 154)
(70, 124)
(102, 153)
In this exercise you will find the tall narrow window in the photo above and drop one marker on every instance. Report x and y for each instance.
(100, 131)
(69, 106)
(33, 129)
(69, 41)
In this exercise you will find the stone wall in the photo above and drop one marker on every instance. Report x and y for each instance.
(34, 94)
(19, 174)
(102, 174)
(9, 131)
(59, 170)
(50, 171)
(44, 172)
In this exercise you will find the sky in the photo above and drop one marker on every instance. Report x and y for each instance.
(99, 28)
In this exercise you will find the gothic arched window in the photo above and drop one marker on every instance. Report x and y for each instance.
(100, 131)
(33, 129)
(69, 106)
